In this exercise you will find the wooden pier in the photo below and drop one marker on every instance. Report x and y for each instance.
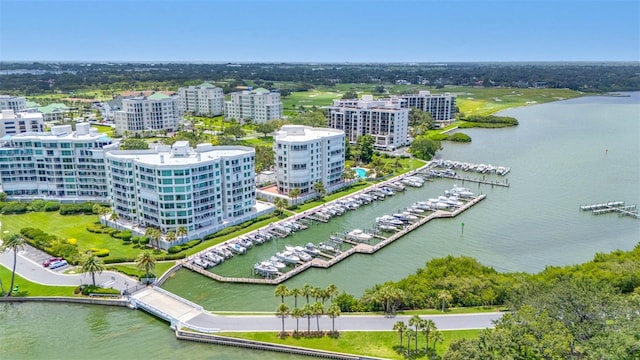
(361, 248)
(476, 180)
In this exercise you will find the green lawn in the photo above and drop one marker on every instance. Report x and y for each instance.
(66, 227)
(310, 98)
(132, 269)
(28, 288)
(368, 343)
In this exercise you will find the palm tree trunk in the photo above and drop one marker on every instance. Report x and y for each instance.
(1, 288)
(13, 272)
(93, 277)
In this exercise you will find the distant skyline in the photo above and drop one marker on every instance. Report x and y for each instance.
(355, 31)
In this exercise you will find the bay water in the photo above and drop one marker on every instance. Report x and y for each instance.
(562, 155)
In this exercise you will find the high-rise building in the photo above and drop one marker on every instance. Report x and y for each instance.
(12, 123)
(15, 103)
(157, 112)
(442, 107)
(307, 155)
(209, 187)
(204, 100)
(62, 164)
(384, 119)
(259, 106)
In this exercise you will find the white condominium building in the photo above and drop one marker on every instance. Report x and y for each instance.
(204, 100)
(177, 186)
(58, 165)
(259, 106)
(306, 155)
(442, 107)
(12, 123)
(15, 103)
(384, 119)
(155, 112)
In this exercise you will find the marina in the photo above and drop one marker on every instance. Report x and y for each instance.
(386, 230)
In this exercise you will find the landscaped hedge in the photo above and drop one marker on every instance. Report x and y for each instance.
(72, 209)
(121, 259)
(176, 249)
(98, 228)
(90, 289)
(51, 244)
(232, 229)
(100, 252)
(14, 207)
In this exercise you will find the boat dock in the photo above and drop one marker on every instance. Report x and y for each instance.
(361, 248)
(612, 207)
(477, 180)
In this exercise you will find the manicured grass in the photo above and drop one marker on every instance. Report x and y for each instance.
(379, 344)
(486, 101)
(132, 269)
(310, 98)
(28, 288)
(66, 227)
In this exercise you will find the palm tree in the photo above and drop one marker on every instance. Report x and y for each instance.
(181, 232)
(14, 242)
(428, 326)
(332, 291)
(444, 297)
(307, 290)
(293, 194)
(295, 292)
(320, 189)
(114, 217)
(318, 310)
(333, 311)
(281, 204)
(307, 310)
(297, 313)
(416, 322)
(438, 337)
(171, 236)
(92, 265)
(282, 290)
(282, 311)
(401, 328)
(153, 234)
(146, 261)
(410, 335)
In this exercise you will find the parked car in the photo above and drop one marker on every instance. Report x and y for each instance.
(48, 262)
(57, 264)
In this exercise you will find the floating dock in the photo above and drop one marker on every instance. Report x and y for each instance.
(619, 207)
(361, 248)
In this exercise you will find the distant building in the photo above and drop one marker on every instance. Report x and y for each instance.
(204, 99)
(157, 112)
(62, 164)
(12, 123)
(203, 189)
(307, 155)
(15, 103)
(384, 119)
(54, 112)
(442, 107)
(259, 106)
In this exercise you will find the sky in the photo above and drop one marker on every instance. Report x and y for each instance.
(319, 30)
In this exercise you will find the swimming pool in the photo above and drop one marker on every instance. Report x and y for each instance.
(361, 172)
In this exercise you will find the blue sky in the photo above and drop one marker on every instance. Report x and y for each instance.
(320, 31)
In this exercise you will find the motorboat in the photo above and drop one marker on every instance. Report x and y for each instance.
(327, 247)
(277, 263)
(223, 252)
(245, 242)
(256, 239)
(358, 235)
(386, 227)
(299, 252)
(211, 256)
(288, 257)
(265, 267)
(389, 220)
(409, 216)
(461, 192)
(237, 248)
(201, 263)
(415, 210)
(401, 217)
(311, 249)
(265, 235)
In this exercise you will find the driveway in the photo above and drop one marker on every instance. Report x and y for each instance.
(29, 266)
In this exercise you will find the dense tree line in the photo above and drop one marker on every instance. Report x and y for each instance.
(32, 78)
(586, 311)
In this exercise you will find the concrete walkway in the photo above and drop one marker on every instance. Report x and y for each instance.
(29, 266)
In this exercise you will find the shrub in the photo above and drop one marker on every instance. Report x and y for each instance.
(98, 228)
(51, 206)
(459, 137)
(90, 289)
(37, 205)
(71, 209)
(72, 241)
(100, 252)
(14, 207)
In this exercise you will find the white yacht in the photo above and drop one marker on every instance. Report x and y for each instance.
(358, 235)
